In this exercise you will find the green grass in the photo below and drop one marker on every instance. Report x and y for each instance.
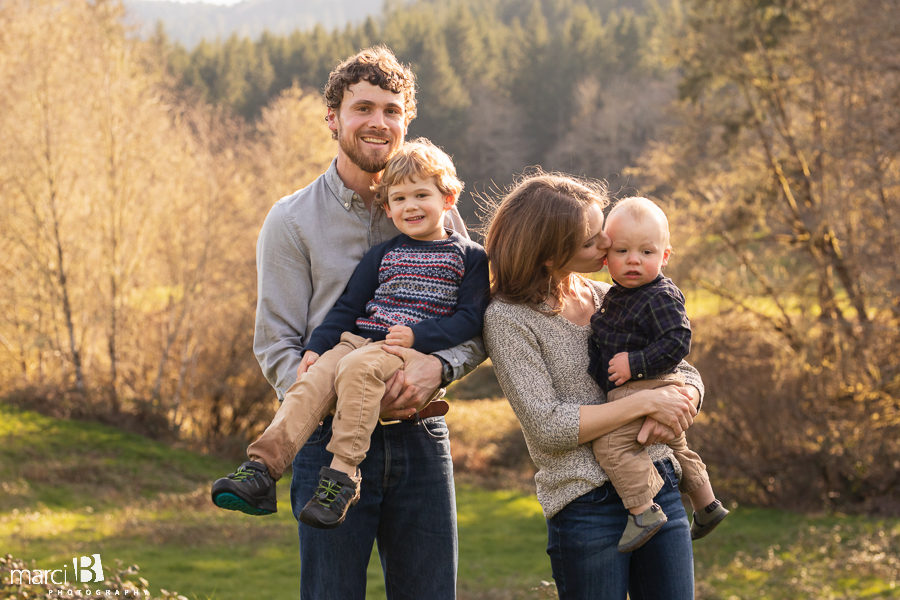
(770, 554)
(71, 488)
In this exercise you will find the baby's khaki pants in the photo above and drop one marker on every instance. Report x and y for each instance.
(627, 463)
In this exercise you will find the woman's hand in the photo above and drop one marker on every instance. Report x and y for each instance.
(654, 432)
(671, 407)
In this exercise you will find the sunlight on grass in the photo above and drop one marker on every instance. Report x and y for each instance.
(477, 504)
(502, 536)
(46, 524)
(764, 553)
(23, 423)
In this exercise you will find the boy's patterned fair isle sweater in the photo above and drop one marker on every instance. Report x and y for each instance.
(438, 288)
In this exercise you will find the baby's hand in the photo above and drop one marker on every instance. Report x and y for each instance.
(400, 335)
(619, 369)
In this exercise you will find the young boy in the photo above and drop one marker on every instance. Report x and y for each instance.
(426, 288)
(639, 335)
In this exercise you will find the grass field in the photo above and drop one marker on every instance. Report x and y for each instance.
(71, 488)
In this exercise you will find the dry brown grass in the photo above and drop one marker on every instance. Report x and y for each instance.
(488, 445)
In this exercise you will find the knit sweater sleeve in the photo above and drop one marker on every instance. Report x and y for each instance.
(692, 377)
(431, 335)
(548, 421)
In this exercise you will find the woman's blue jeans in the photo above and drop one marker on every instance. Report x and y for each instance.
(407, 506)
(582, 540)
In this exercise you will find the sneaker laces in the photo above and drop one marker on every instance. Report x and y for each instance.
(327, 492)
(244, 474)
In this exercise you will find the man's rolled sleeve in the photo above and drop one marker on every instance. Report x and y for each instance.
(463, 358)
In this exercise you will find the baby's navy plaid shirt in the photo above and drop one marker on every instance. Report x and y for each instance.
(648, 322)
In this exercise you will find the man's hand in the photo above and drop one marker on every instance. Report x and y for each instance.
(412, 387)
(309, 357)
(400, 335)
(619, 368)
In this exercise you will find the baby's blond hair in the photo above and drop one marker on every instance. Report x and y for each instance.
(641, 209)
(419, 158)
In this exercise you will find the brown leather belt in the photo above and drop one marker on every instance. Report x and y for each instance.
(435, 408)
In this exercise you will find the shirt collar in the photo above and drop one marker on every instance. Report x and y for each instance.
(344, 195)
(656, 280)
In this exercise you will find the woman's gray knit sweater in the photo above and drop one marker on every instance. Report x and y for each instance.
(541, 362)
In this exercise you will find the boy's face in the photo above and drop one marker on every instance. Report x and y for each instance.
(638, 250)
(417, 208)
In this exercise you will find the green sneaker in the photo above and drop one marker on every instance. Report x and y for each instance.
(250, 489)
(336, 493)
(707, 519)
(641, 528)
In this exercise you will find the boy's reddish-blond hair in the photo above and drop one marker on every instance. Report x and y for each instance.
(418, 159)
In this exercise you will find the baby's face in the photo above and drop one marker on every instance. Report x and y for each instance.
(638, 251)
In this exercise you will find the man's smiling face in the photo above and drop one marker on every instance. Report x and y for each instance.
(370, 125)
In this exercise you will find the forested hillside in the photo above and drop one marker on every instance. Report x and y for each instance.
(569, 85)
(134, 177)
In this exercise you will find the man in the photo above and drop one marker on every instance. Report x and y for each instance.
(308, 247)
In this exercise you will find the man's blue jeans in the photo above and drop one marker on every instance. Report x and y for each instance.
(582, 540)
(407, 506)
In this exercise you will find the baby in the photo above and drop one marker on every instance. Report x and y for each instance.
(639, 336)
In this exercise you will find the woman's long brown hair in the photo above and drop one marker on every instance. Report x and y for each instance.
(541, 220)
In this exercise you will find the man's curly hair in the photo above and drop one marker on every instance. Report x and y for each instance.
(378, 66)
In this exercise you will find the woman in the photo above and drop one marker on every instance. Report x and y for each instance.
(543, 235)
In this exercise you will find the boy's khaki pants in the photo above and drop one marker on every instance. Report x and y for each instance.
(627, 463)
(350, 380)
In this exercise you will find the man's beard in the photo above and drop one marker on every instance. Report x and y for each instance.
(369, 164)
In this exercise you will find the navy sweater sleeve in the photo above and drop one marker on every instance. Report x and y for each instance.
(352, 303)
(465, 323)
